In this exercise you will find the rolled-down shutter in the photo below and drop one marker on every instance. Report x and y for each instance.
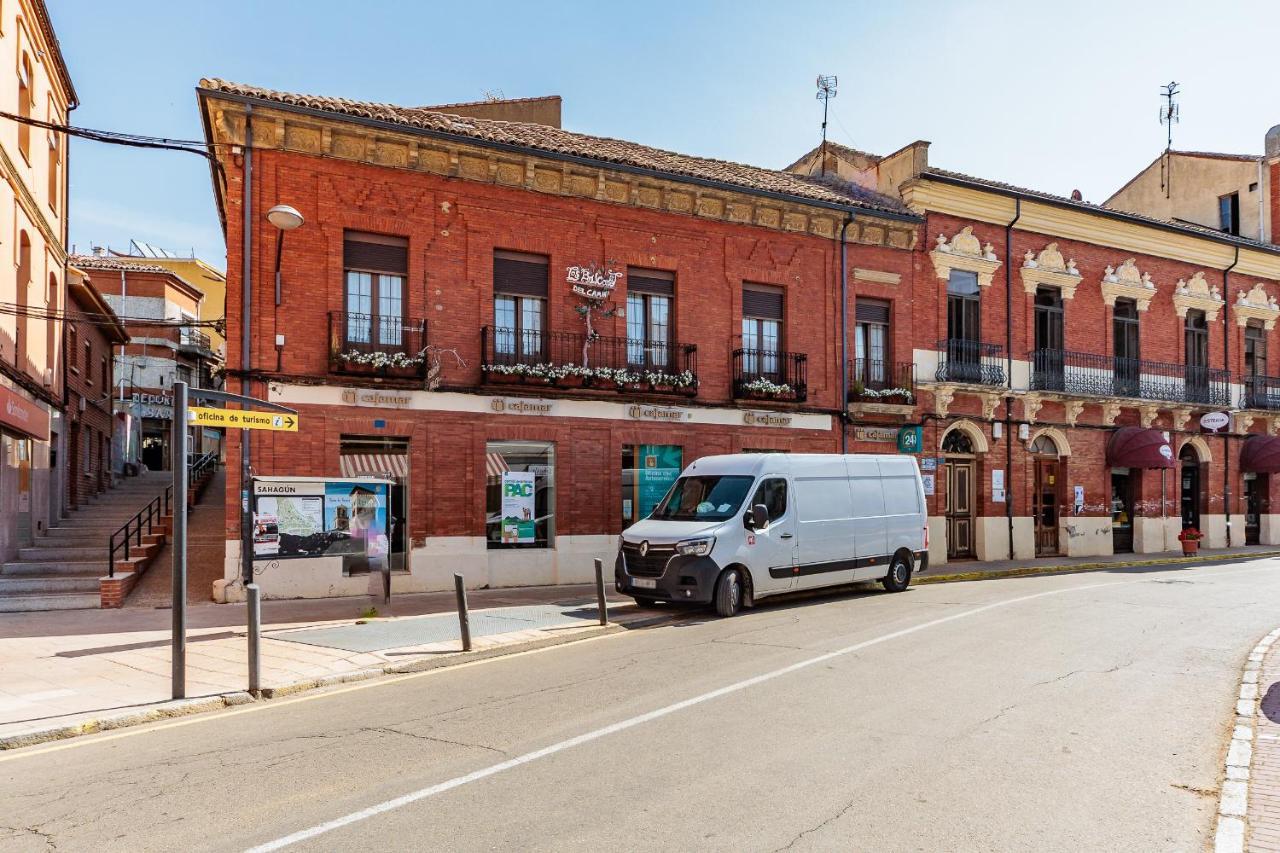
(762, 300)
(656, 282)
(375, 253)
(519, 274)
(872, 311)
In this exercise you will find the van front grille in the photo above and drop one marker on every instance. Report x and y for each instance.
(651, 565)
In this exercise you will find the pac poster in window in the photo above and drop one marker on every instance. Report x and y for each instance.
(518, 507)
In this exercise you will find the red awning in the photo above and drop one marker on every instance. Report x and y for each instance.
(1135, 447)
(1261, 455)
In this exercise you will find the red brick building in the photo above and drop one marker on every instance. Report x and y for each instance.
(431, 323)
(1090, 380)
(91, 333)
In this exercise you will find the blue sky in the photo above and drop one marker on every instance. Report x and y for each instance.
(1053, 96)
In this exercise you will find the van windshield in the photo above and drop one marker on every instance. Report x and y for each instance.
(709, 498)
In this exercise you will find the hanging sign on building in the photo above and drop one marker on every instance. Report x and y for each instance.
(591, 281)
(518, 507)
(26, 416)
(1214, 421)
(241, 419)
(910, 439)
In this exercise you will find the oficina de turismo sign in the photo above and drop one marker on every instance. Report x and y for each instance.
(592, 282)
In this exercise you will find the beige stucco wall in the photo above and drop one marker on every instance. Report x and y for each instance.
(1195, 185)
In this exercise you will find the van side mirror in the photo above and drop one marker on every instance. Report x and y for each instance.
(759, 517)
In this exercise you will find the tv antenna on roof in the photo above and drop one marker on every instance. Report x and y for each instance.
(826, 91)
(1168, 118)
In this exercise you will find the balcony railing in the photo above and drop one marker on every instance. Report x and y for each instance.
(375, 345)
(875, 381)
(770, 375)
(1109, 376)
(191, 339)
(1261, 392)
(970, 362)
(570, 360)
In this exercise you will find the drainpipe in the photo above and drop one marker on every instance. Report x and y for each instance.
(246, 365)
(1008, 355)
(1226, 366)
(844, 334)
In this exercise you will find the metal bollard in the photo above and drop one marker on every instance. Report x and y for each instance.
(254, 601)
(600, 602)
(464, 620)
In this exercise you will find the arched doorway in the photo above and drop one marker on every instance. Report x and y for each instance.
(1189, 469)
(958, 469)
(1045, 497)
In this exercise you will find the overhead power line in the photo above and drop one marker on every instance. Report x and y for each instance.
(135, 140)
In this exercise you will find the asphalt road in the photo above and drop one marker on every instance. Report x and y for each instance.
(1078, 712)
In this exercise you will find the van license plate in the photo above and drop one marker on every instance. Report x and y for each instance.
(644, 583)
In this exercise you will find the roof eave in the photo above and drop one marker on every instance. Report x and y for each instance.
(1101, 211)
(542, 152)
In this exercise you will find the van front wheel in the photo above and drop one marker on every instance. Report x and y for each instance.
(899, 576)
(729, 593)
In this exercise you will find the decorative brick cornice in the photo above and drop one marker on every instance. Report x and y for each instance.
(1127, 282)
(1049, 268)
(307, 134)
(1256, 305)
(964, 252)
(1198, 294)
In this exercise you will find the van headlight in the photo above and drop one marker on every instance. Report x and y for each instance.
(696, 547)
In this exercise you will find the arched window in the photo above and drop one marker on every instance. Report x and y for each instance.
(24, 106)
(1044, 446)
(957, 441)
(20, 358)
(51, 325)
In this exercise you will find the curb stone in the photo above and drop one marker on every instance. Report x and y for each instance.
(181, 707)
(1233, 802)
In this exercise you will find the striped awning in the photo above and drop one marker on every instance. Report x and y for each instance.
(389, 466)
(495, 465)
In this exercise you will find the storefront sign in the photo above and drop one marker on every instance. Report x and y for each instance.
(997, 485)
(320, 518)
(382, 399)
(658, 467)
(1214, 421)
(766, 419)
(872, 433)
(520, 406)
(26, 416)
(591, 281)
(152, 399)
(910, 439)
(517, 507)
(657, 413)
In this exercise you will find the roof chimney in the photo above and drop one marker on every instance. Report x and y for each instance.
(1076, 196)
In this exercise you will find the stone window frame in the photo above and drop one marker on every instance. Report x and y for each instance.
(1049, 269)
(964, 252)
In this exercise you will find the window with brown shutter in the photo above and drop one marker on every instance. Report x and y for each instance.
(375, 267)
(871, 340)
(519, 307)
(657, 282)
(650, 315)
(762, 300)
(762, 309)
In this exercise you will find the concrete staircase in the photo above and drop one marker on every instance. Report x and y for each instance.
(63, 569)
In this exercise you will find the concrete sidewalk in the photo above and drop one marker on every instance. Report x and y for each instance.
(976, 570)
(64, 668)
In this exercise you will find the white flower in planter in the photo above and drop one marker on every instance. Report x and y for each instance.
(761, 385)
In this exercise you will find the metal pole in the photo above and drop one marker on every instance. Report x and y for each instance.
(179, 585)
(464, 621)
(254, 599)
(600, 602)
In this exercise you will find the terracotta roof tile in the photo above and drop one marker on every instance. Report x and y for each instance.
(598, 148)
(95, 262)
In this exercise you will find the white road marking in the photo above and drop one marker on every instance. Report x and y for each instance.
(641, 719)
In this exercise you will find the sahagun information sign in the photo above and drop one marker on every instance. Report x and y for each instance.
(317, 517)
(518, 507)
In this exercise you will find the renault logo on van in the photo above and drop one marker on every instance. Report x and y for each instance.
(644, 548)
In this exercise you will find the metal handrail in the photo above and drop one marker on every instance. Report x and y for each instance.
(202, 464)
(131, 530)
(1095, 374)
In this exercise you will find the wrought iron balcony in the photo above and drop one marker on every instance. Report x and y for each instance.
(1261, 392)
(376, 345)
(770, 375)
(572, 360)
(1109, 376)
(875, 381)
(970, 362)
(190, 339)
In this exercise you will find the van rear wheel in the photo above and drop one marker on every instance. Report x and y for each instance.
(899, 577)
(728, 598)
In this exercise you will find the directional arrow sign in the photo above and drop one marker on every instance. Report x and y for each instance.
(240, 419)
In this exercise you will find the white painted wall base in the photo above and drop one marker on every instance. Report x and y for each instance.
(1269, 529)
(1214, 528)
(938, 541)
(1155, 535)
(432, 568)
(992, 538)
(1085, 536)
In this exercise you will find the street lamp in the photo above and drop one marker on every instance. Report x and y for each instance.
(286, 218)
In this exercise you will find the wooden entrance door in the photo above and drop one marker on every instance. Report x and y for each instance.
(1256, 487)
(1044, 506)
(959, 508)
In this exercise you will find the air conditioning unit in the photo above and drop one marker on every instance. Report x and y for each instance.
(48, 376)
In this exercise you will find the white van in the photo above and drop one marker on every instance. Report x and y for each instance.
(734, 529)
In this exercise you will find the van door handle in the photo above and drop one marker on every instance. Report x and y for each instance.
(784, 535)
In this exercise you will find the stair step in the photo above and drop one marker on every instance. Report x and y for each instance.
(58, 552)
(95, 532)
(72, 570)
(30, 585)
(50, 601)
